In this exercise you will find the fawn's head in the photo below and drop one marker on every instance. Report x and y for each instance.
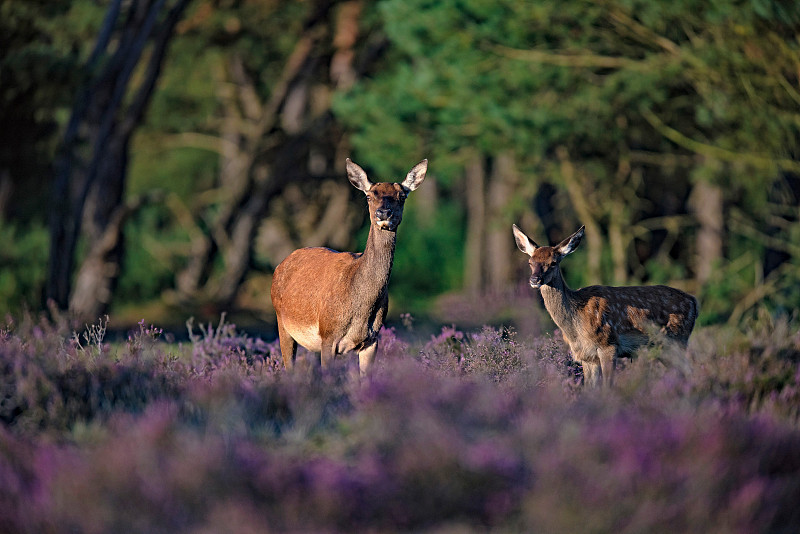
(544, 261)
(386, 199)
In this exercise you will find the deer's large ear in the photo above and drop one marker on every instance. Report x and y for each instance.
(416, 175)
(525, 243)
(570, 243)
(357, 176)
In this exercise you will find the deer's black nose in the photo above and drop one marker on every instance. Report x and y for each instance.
(383, 214)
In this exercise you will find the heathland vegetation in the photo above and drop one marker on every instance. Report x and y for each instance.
(454, 432)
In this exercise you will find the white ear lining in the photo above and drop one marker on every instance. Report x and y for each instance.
(416, 175)
(569, 245)
(524, 243)
(357, 176)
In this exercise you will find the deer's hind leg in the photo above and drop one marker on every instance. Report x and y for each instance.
(288, 346)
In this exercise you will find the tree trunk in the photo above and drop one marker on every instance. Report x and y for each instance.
(476, 225)
(499, 243)
(706, 203)
(617, 240)
(577, 194)
(98, 273)
(6, 188)
(92, 166)
(252, 171)
(428, 204)
(96, 279)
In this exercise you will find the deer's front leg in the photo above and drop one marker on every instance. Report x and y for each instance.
(607, 356)
(327, 354)
(591, 373)
(588, 360)
(366, 357)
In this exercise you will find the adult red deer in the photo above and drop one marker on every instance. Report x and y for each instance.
(334, 302)
(602, 323)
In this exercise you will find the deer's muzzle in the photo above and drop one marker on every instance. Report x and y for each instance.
(384, 219)
(537, 275)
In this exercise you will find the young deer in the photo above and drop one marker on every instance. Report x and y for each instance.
(334, 302)
(601, 323)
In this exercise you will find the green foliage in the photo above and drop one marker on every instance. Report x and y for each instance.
(178, 170)
(179, 147)
(23, 264)
(439, 91)
(428, 258)
(610, 83)
(152, 256)
(679, 92)
(39, 70)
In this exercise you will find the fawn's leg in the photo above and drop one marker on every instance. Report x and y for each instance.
(607, 355)
(591, 373)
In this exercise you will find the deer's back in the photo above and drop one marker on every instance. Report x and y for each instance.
(627, 315)
(310, 278)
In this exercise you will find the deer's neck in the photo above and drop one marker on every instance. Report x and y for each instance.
(375, 265)
(559, 301)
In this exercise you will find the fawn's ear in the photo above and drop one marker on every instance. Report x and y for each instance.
(416, 175)
(357, 176)
(524, 242)
(570, 244)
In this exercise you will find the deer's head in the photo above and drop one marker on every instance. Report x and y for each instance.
(544, 261)
(386, 199)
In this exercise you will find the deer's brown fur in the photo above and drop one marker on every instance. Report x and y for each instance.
(335, 302)
(602, 323)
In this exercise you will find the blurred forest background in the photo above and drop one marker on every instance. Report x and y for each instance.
(160, 157)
